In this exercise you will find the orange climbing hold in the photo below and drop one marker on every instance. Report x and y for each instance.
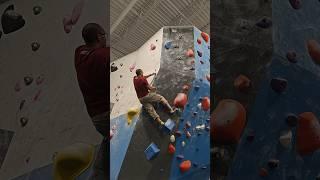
(308, 133)
(205, 103)
(181, 100)
(314, 50)
(227, 122)
(171, 149)
(205, 36)
(242, 82)
(190, 53)
(185, 166)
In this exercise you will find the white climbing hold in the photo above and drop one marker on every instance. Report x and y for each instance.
(199, 105)
(285, 139)
(201, 127)
(183, 143)
(172, 139)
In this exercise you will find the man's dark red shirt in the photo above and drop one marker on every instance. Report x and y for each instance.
(91, 67)
(141, 86)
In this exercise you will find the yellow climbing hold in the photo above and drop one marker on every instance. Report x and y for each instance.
(132, 112)
(70, 162)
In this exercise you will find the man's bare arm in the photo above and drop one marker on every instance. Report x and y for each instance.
(151, 88)
(150, 75)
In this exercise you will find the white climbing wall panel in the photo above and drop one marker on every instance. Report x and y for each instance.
(122, 92)
(58, 117)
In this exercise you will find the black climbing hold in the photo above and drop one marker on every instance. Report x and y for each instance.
(204, 167)
(208, 120)
(250, 136)
(292, 120)
(279, 84)
(200, 99)
(192, 68)
(181, 119)
(28, 159)
(0, 34)
(114, 68)
(178, 133)
(292, 56)
(264, 23)
(295, 4)
(11, 21)
(120, 76)
(199, 53)
(121, 64)
(180, 156)
(112, 64)
(37, 10)
(195, 113)
(201, 62)
(197, 149)
(195, 164)
(28, 80)
(318, 177)
(22, 104)
(273, 163)
(156, 40)
(199, 133)
(23, 121)
(35, 46)
(207, 128)
(196, 87)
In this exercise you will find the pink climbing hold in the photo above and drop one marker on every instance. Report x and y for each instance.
(17, 87)
(132, 66)
(171, 149)
(190, 53)
(181, 100)
(67, 24)
(152, 47)
(199, 41)
(76, 12)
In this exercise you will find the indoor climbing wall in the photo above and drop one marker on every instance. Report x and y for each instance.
(123, 96)
(42, 107)
(281, 139)
(176, 61)
(243, 50)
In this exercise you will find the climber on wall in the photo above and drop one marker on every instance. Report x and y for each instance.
(91, 62)
(147, 95)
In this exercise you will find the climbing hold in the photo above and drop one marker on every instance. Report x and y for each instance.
(286, 139)
(11, 21)
(132, 66)
(318, 177)
(273, 163)
(152, 47)
(279, 84)
(199, 105)
(250, 136)
(242, 83)
(111, 134)
(201, 62)
(292, 120)
(132, 112)
(314, 50)
(17, 87)
(201, 127)
(265, 22)
(227, 121)
(204, 167)
(179, 58)
(67, 24)
(188, 134)
(37, 10)
(181, 100)
(183, 143)
(168, 45)
(76, 12)
(208, 77)
(121, 64)
(28, 159)
(199, 41)
(190, 53)
(205, 103)
(39, 79)
(192, 68)
(208, 128)
(185, 88)
(205, 36)
(188, 124)
(295, 4)
(263, 172)
(114, 68)
(28, 80)
(308, 133)
(195, 164)
(176, 46)
(171, 149)
(172, 139)
(180, 156)
(195, 113)
(185, 166)
(24, 121)
(199, 53)
(35, 46)
(22, 104)
(196, 87)
(178, 133)
(151, 151)
(292, 56)
(169, 125)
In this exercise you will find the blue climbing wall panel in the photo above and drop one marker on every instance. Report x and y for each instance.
(120, 142)
(197, 147)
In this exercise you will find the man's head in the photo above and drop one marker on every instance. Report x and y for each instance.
(139, 72)
(94, 35)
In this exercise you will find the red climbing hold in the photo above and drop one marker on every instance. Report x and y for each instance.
(205, 36)
(152, 47)
(185, 166)
(242, 83)
(190, 53)
(308, 133)
(181, 100)
(227, 121)
(314, 50)
(205, 103)
(199, 41)
(171, 149)
(263, 172)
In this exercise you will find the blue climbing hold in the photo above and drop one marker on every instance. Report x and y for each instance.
(180, 156)
(151, 151)
(169, 125)
(168, 45)
(196, 87)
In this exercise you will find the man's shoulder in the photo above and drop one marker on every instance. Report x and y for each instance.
(102, 52)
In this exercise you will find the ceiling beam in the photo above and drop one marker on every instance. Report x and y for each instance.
(122, 15)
